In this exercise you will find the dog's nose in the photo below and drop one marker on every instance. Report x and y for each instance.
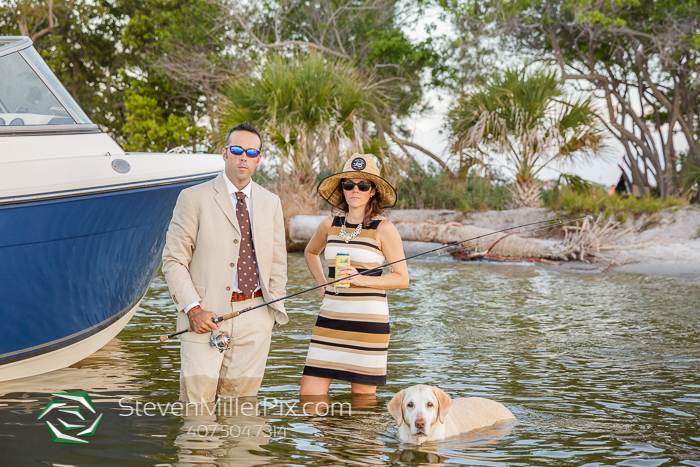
(420, 423)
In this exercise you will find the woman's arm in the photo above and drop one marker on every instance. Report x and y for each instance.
(390, 243)
(314, 249)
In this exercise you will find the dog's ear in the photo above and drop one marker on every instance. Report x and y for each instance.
(395, 407)
(444, 403)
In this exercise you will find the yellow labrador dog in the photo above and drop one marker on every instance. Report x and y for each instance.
(426, 413)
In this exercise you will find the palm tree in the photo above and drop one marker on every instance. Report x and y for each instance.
(528, 118)
(313, 110)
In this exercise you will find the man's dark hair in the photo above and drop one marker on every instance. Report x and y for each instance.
(245, 126)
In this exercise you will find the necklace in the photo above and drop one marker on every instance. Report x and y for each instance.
(349, 236)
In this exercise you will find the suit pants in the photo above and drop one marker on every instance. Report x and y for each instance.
(237, 372)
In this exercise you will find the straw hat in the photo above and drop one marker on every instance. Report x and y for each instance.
(358, 166)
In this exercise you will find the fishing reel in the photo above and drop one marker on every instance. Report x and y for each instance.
(221, 341)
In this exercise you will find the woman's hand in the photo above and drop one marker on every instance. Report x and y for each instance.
(323, 291)
(357, 281)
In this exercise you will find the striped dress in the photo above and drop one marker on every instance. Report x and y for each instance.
(351, 336)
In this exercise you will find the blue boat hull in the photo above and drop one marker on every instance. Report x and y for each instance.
(69, 268)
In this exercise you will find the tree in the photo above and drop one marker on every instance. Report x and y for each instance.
(369, 35)
(78, 40)
(106, 52)
(528, 118)
(640, 57)
(312, 110)
(146, 128)
(180, 55)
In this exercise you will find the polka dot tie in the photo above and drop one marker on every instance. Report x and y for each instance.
(247, 273)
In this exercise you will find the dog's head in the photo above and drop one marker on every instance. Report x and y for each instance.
(420, 407)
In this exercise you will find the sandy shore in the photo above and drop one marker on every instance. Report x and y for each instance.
(673, 268)
(664, 244)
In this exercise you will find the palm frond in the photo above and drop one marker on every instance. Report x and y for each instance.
(527, 117)
(312, 108)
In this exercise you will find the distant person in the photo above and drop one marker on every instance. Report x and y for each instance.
(621, 187)
(225, 251)
(351, 336)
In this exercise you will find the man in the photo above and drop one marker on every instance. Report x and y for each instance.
(225, 251)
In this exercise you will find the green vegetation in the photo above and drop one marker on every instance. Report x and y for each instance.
(638, 57)
(325, 79)
(146, 127)
(308, 107)
(527, 117)
(595, 201)
(438, 190)
(132, 65)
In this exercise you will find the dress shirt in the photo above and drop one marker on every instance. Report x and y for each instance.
(249, 204)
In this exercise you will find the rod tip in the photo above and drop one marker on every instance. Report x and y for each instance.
(163, 338)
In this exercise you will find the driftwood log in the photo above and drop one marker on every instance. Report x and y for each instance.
(301, 229)
(499, 246)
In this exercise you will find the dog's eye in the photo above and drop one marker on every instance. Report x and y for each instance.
(409, 405)
(430, 404)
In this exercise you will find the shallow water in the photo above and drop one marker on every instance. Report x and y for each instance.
(599, 369)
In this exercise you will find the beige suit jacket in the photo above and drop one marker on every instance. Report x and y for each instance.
(202, 244)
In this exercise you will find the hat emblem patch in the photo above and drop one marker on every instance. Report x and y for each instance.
(358, 163)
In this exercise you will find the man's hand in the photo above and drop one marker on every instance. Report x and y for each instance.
(201, 321)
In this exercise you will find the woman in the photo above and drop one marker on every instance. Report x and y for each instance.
(351, 336)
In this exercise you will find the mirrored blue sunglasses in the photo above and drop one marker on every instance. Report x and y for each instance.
(237, 151)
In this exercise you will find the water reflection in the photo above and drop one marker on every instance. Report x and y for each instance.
(105, 372)
(348, 426)
(228, 434)
(598, 369)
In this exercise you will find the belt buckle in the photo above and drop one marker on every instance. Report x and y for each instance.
(239, 297)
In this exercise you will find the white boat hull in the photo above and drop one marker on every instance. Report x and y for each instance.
(65, 356)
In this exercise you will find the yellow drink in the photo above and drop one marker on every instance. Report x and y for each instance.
(341, 260)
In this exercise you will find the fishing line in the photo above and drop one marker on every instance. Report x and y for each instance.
(218, 341)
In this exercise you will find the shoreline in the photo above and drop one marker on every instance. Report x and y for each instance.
(670, 269)
(663, 244)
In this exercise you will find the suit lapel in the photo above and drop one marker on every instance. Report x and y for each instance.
(223, 198)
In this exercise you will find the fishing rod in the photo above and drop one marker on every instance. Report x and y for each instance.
(223, 340)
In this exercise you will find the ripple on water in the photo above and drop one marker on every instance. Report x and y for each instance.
(598, 369)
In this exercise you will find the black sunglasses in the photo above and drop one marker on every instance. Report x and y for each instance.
(349, 186)
(237, 151)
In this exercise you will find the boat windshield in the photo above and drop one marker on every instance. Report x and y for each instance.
(30, 94)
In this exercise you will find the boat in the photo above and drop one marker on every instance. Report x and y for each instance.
(82, 223)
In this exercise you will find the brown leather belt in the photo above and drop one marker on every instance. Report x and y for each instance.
(239, 297)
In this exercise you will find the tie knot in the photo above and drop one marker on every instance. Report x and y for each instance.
(240, 196)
